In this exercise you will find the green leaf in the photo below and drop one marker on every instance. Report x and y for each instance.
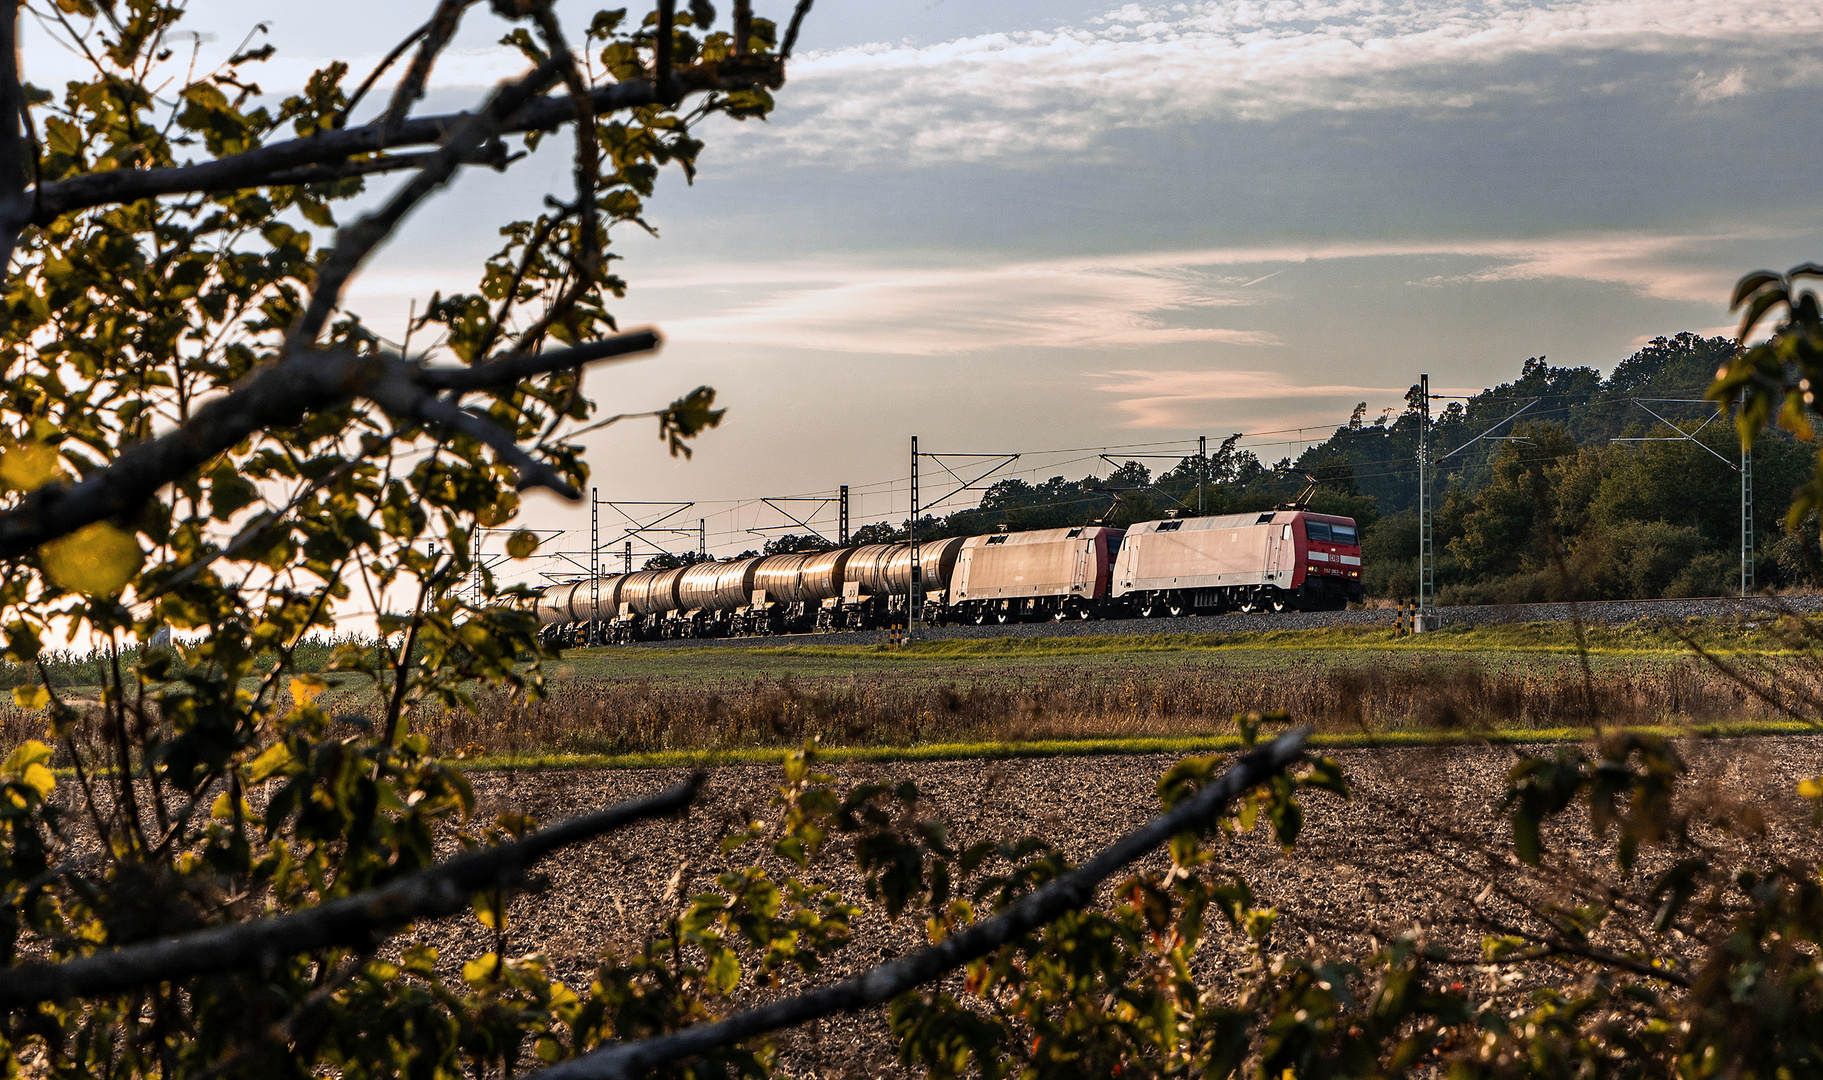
(724, 973)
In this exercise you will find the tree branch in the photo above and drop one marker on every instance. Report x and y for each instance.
(357, 241)
(492, 154)
(437, 32)
(276, 395)
(881, 984)
(520, 366)
(353, 922)
(15, 154)
(253, 168)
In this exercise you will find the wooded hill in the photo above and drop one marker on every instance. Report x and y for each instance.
(1552, 507)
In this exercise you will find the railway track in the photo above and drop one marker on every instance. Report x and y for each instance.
(1599, 612)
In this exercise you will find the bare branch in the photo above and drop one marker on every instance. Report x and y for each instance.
(881, 984)
(437, 32)
(791, 32)
(743, 25)
(492, 154)
(357, 241)
(341, 118)
(516, 367)
(661, 64)
(354, 922)
(415, 404)
(253, 167)
(15, 153)
(275, 395)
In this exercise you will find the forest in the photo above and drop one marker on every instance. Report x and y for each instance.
(1556, 503)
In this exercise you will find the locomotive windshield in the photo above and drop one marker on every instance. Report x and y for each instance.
(1330, 532)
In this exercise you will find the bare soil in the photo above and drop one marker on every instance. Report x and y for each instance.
(1413, 851)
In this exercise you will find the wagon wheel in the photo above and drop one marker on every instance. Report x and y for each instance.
(1178, 607)
(1003, 616)
(980, 616)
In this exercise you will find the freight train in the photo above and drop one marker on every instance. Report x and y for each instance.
(1271, 560)
(1275, 560)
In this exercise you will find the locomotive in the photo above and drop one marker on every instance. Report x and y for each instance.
(1275, 560)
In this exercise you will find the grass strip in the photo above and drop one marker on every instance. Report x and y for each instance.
(1047, 748)
(1636, 639)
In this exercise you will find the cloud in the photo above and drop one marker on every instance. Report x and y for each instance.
(1064, 93)
(1176, 399)
(1213, 296)
(912, 311)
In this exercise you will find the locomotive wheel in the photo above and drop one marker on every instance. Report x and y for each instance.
(1279, 603)
(1177, 607)
(1247, 605)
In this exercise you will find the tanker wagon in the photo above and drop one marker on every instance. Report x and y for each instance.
(1275, 560)
(1058, 574)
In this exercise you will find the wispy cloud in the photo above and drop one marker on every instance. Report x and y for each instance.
(1175, 400)
(1137, 300)
(1061, 93)
(1119, 303)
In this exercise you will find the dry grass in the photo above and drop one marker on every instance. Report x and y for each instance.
(601, 716)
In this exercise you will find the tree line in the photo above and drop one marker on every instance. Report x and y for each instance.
(1551, 507)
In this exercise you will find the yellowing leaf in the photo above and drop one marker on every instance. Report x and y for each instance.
(487, 911)
(31, 697)
(522, 543)
(28, 466)
(305, 689)
(479, 970)
(223, 809)
(271, 760)
(96, 559)
(1811, 789)
(28, 753)
(39, 777)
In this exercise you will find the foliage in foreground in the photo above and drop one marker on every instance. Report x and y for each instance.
(221, 792)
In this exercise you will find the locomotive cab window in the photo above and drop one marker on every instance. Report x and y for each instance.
(1317, 530)
(1344, 534)
(1285, 533)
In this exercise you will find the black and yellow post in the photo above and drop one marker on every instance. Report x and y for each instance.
(1402, 625)
(895, 636)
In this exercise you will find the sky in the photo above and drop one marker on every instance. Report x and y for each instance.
(1017, 226)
